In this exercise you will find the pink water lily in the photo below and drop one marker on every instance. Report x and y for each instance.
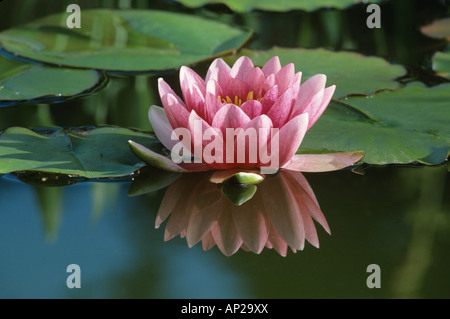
(270, 101)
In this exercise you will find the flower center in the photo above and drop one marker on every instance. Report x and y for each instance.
(237, 101)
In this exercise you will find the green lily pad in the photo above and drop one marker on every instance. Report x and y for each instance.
(20, 82)
(279, 5)
(441, 64)
(97, 153)
(404, 126)
(123, 40)
(352, 73)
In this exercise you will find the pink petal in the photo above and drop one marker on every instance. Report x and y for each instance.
(312, 106)
(272, 66)
(222, 77)
(269, 82)
(212, 104)
(252, 227)
(308, 197)
(225, 234)
(252, 108)
(165, 88)
(255, 80)
(172, 196)
(283, 214)
(291, 136)
(161, 126)
(269, 99)
(315, 111)
(301, 180)
(282, 108)
(297, 192)
(175, 109)
(307, 92)
(193, 88)
(252, 144)
(205, 213)
(197, 127)
(323, 162)
(241, 68)
(276, 242)
(177, 223)
(213, 68)
(230, 116)
(283, 77)
(208, 241)
(235, 88)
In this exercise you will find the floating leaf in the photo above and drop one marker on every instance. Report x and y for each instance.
(352, 73)
(123, 40)
(441, 64)
(403, 126)
(20, 82)
(96, 153)
(271, 5)
(438, 29)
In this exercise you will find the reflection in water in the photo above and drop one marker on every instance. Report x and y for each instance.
(277, 213)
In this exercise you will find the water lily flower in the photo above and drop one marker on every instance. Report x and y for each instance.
(241, 116)
(278, 215)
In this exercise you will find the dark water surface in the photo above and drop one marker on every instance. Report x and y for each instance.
(397, 218)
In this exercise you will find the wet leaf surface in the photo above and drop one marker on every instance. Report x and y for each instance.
(123, 40)
(21, 82)
(352, 73)
(97, 153)
(402, 126)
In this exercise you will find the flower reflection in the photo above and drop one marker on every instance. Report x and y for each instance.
(276, 213)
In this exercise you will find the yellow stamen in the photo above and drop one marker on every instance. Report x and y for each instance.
(237, 100)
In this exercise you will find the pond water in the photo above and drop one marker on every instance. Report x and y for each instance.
(396, 217)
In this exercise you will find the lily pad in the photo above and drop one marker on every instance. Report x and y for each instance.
(123, 40)
(280, 5)
(20, 82)
(97, 153)
(404, 126)
(352, 73)
(441, 64)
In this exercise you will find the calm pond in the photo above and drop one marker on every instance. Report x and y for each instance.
(368, 231)
(396, 218)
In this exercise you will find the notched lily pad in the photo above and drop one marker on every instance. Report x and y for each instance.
(96, 153)
(279, 5)
(123, 40)
(441, 63)
(352, 73)
(25, 82)
(403, 126)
